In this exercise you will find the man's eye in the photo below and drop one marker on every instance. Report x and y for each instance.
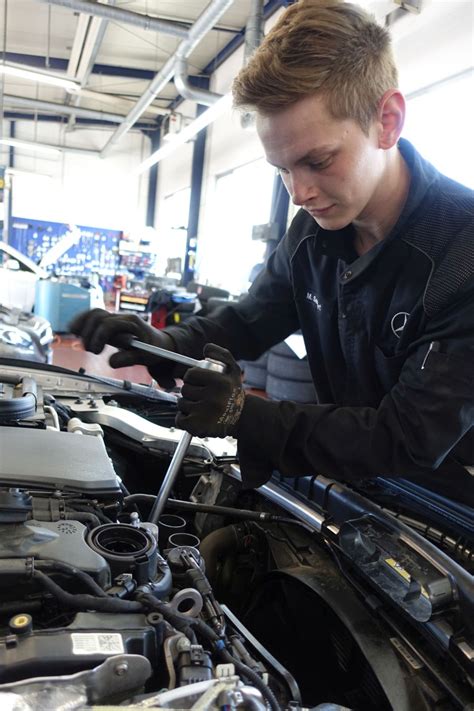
(321, 165)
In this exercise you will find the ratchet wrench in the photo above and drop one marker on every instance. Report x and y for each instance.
(185, 441)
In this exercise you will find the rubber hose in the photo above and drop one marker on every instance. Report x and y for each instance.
(83, 517)
(215, 545)
(55, 566)
(86, 602)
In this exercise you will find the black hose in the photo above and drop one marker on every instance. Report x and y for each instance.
(197, 507)
(215, 545)
(253, 677)
(84, 508)
(85, 602)
(83, 516)
(15, 607)
(55, 566)
(183, 623)
(239, 514)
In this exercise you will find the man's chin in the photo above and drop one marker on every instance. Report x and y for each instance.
(331, 223)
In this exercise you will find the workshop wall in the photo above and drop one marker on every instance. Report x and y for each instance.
(76, 188)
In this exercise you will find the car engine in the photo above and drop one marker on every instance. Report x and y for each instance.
(283, 598)
(97, 605)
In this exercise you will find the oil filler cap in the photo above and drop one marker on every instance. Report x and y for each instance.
(21, 624)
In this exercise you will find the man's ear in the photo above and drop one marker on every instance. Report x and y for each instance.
(391, 117)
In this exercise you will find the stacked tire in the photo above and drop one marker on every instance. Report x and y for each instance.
(288, 377)
(255, 372)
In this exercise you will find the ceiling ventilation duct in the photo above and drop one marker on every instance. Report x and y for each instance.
(253, 37)
(254, 32)
(187, 90)
(197, 32)
(117, 14)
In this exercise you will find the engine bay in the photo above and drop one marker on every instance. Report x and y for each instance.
(231, 600)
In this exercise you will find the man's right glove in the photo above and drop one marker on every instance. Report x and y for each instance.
(211, 402)
(98, 327)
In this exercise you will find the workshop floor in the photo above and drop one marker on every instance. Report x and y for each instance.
(69, 353)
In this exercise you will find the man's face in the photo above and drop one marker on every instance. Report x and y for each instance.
(329, 166)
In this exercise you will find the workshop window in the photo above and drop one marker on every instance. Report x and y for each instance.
(439, 124)
(226, 251)
(172, 233)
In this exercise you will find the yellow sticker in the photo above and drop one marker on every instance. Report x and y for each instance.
(395, 565)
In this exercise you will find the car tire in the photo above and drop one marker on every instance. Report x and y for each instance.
(255, 372)
(255, 377)
(283, 350)
(296, 391)
(288, 368)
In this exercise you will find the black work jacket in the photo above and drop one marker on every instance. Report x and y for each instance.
(390, 343)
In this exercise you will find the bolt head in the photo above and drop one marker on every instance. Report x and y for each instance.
(121, 669)
(183, 644)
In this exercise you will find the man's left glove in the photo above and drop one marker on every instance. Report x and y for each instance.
(211, 403)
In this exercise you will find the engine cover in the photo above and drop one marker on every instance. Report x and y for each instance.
(44, 459)
(87, 641)
(63, 541)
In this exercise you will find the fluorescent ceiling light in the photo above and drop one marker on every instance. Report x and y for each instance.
(30, 145)
(42, 77)
(207, 117)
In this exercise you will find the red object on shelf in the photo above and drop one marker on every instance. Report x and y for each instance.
(158, 317)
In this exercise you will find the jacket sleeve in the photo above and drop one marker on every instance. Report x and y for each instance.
(416, 430)
(266, 316)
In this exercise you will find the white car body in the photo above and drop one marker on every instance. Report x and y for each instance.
(18, 281)
(18, 278)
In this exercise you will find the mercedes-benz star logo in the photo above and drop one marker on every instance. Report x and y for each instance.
(399, 321)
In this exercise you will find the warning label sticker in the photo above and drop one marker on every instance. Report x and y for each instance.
(97, 643)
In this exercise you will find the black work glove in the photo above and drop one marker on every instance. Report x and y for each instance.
(98, 327)
(211, 402)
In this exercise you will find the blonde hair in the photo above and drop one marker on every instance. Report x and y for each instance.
(327, 47)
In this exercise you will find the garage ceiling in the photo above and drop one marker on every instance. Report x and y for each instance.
(113, 61)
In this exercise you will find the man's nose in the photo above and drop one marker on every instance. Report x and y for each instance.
(302, 190)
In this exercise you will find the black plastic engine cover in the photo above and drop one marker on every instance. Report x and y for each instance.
(85, 643)
(63, 541)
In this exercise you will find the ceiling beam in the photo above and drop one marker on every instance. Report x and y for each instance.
(61, 109)
(59, 64)
(122, 16)
(32, 145)
(91, 123)
(78, 42)
(112, 99)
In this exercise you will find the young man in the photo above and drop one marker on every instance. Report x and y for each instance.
(377, 269)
